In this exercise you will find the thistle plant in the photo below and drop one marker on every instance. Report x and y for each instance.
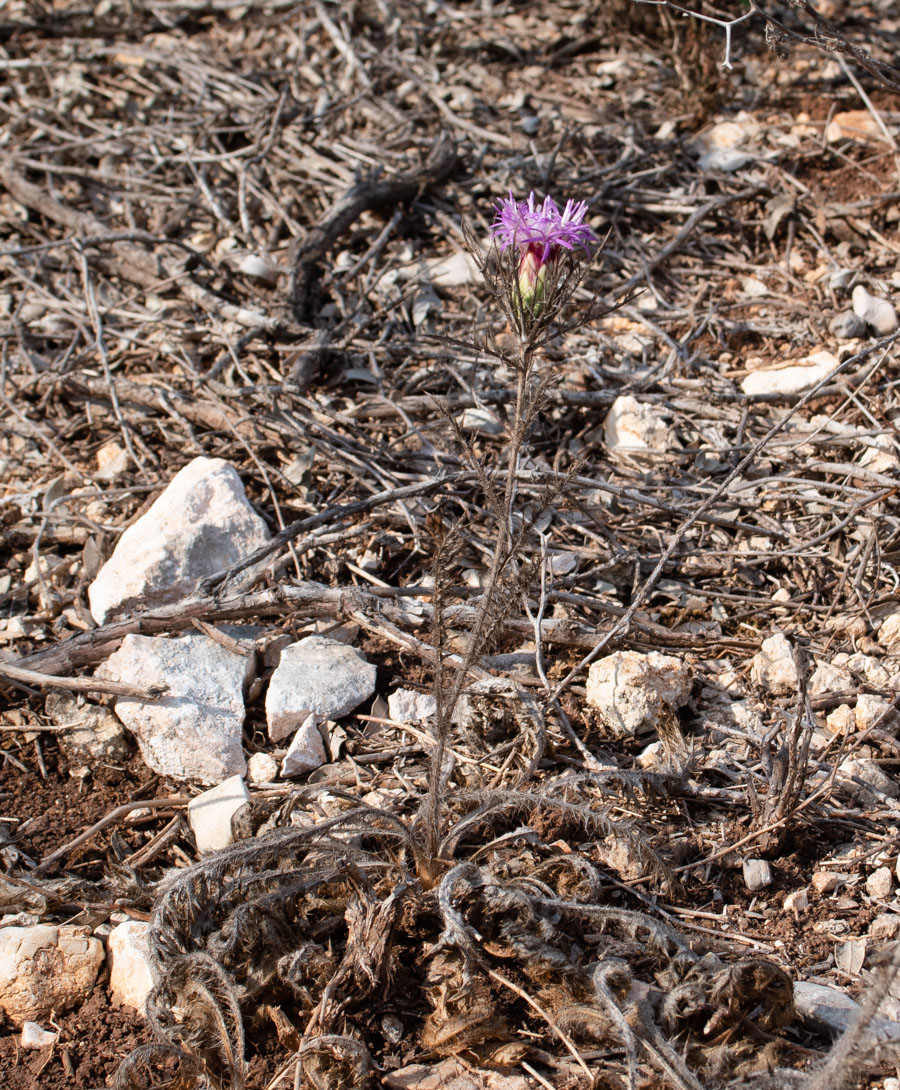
(537, 259)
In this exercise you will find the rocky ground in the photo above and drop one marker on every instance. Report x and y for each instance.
(256, 403)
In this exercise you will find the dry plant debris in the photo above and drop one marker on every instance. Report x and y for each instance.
(237, 231)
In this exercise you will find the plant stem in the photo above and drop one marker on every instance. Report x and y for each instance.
(428, 867)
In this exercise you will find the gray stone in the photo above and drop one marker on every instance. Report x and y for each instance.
(201, 524)
(210, 814)
(132, 972)
(631, 690)
(316, 675)
(307, 750)
(848, 326)
(194, 731)
(832, 1012)
(878, 314)
(46, 969)
(885, 926)
(866, 780)
(757, 874)
(726, 160)
(94, 733)
(773, 666)
(481, 420)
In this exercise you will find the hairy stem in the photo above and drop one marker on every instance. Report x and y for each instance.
(428, 867)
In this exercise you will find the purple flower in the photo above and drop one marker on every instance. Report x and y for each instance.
(540, 233)
(541, 229)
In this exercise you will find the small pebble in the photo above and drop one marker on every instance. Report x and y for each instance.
(826, 881)
(879, 883)
(258, 268)
(848, 326)
(797, 901)
(262, 768)
(877, 313)
(757, 874)
(35, 1036)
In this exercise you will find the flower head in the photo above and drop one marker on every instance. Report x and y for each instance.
(539, 234)
(541, 229)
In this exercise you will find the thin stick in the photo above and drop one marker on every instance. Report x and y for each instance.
(535, 1006)
(79, 684)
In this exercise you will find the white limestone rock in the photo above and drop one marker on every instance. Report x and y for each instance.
(866, 666)
(262, 768)
(889, 632)
(879, 883)
(45, 969)
(316, 675)
(132, 972)
(210, 814)
(631, 425)
(453, 271)
(631, 690)
(773, 666)
(793, 377)
(797, 902)
(201, 524)
(34, 1036)
(878, 314)
(410, 706)
(307, 749)
(828, 678)
(260, 268)
(194, 731)
(112, 461)
(871, 709)
(93, 732)
(841, 720)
